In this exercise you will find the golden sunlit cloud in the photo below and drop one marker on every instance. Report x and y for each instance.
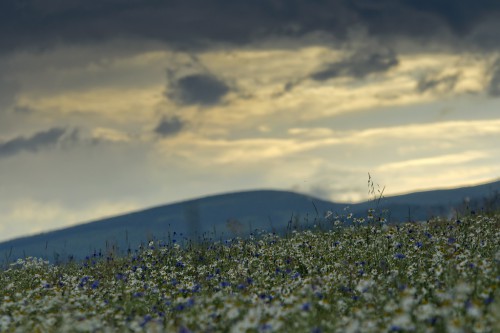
(450, 159)
(109, 134)
(208, 151)
(265, 84)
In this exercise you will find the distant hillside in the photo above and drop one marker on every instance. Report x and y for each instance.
(223, 215)
(226, 215)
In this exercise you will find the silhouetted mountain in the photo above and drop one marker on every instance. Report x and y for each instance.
(224, 216)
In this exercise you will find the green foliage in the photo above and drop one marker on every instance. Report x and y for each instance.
(437, 276)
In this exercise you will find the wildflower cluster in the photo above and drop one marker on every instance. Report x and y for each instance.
(438, 276)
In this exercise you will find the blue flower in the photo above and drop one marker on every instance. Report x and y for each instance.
(266, 327)
(146, 319)
(432, 320)
(83, 281)
(399, 256)
(489, 300)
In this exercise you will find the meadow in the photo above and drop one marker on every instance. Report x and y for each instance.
(343, 274)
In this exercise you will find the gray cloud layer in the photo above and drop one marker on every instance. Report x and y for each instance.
(358, 66)
(445, 83)
(197, 89)
(38, 141)
(169, 127)
(191, 23)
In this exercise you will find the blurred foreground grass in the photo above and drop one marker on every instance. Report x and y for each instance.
(437, 276)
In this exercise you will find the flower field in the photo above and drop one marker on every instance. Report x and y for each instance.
(437, 276)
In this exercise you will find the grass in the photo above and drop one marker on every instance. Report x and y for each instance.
(438, 276)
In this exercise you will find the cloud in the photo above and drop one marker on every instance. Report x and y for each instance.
(169, 127)
(494, 83)
(450, 159)
(38, 141)
(358, 66)
(103, 134)
(455, 130)
(437, 84)
(8, 92)
(197, 89)
(459, 16)
(196, 23)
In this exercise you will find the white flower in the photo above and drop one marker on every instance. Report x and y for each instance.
(4, 323)
(474, 311)
(364, 285)
(403, 321)
(233, 313)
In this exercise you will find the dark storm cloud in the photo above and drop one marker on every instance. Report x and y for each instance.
(191, 23)
(38, 141)
(358, 66)
(169, 127)
(444, 83)
(197, 89)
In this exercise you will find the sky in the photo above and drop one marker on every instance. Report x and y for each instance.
(112, 106)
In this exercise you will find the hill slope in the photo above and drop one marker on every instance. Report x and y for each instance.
(225, 215)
